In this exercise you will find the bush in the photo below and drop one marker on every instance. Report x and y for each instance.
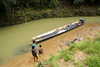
(52, 4)
(76, 2)
(67, 57)
(97, 37)
(46, 15)
(70, 15)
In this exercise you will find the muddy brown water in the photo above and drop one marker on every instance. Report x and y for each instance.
(14, 40)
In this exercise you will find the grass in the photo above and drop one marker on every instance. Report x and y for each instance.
(92, 48)
(88, 47)
(64, 54)
(92, 61)
(50, 61)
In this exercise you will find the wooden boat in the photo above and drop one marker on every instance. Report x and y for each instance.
(57, 31)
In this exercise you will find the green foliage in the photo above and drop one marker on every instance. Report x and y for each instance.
(97, 37)
(90, 2)
(99, 9)
(79, 12)
(67, 57)
(71, 47)
(7, 5)
(29, 10)
(57, 64)
(93, 61)
(51, 60)
(53, 3)
(46, 15)
(79, 64)
(76, 2)
(66, 54)
(93, 49)
(70, 15)
(37, 16)
(38, 3)
(63, 53)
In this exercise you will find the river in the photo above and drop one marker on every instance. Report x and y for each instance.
(14, 40)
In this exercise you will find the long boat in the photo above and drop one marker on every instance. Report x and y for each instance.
(58, 31)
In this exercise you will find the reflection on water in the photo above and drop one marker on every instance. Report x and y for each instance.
(14, 40)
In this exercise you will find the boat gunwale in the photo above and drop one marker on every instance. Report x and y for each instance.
(77, 23)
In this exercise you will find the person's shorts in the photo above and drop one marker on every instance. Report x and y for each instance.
(40, 52)
(36, 56)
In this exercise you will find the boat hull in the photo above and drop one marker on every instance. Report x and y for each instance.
(53, 33)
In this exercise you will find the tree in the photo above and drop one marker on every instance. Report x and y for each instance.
(7, 5)
(90, 2)
(76, 2)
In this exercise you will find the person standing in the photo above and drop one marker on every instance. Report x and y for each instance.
(34, 53)
(34, 44)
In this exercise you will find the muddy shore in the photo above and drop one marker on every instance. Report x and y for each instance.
(52, 46)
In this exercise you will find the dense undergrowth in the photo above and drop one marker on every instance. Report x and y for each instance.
(25, 15)
(90, 47)
(21, 11)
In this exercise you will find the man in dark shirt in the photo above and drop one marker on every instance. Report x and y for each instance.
(34, 53)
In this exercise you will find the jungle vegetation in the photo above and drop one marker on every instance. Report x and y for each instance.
(18, 11)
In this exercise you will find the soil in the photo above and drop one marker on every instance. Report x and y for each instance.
(53, 45)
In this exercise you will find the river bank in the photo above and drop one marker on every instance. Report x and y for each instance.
(53, 45)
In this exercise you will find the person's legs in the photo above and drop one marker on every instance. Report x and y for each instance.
(37, 57)
(34, 59)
